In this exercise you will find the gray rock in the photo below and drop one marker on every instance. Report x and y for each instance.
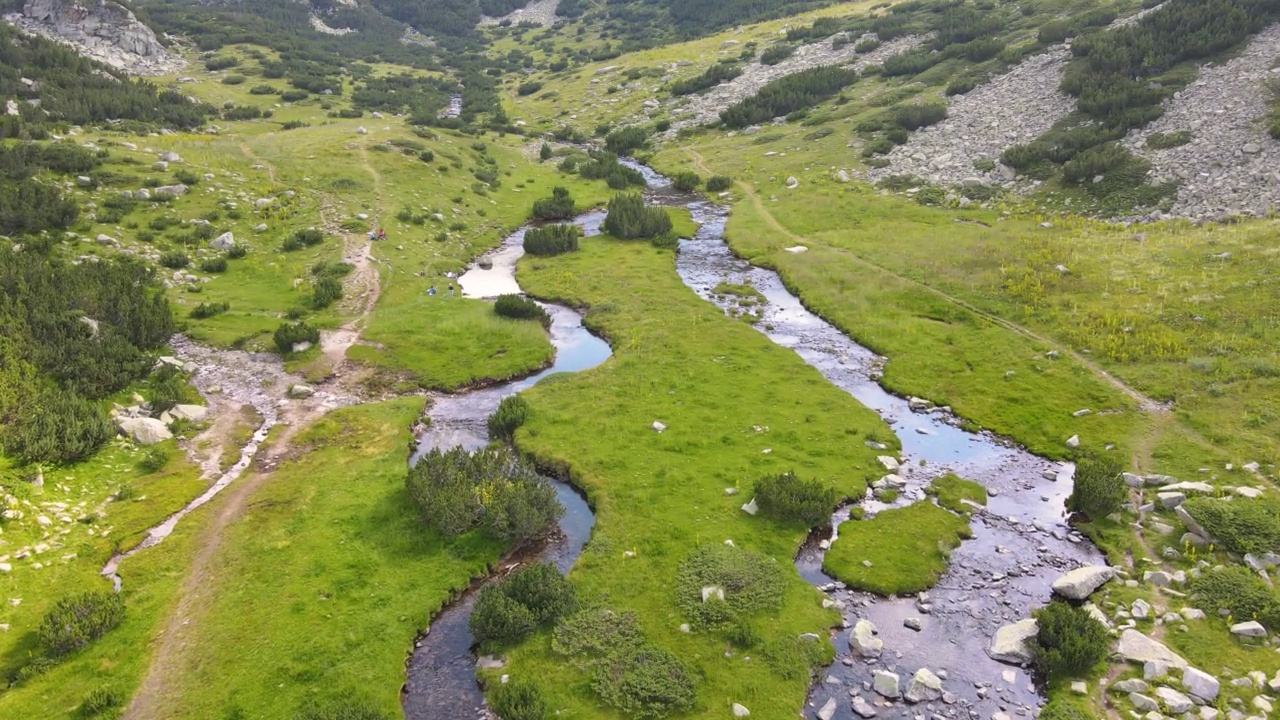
(225, 241)
(193, 413)
(863, 640)
(1200, 683)
(1013, 643)
(886, 683)
(828, 710)
(1130, 685)
(924, 686)
(1082, 582)
(1251, 628)
(1174, 701)
(1142, 703)
(301, 391)
(1140, 609)
(863, 709)
(172, 190)
(144, 430)
(1138, 648)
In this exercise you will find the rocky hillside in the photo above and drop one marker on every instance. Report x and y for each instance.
(101, 30)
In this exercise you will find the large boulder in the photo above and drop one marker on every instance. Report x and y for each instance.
(924, 686)
(1013, 643)
(194, 413)
(885, 683)
(1200, 684)
(1194, 527)
(1175, 702)
(225, 241)
(863, 640)
(1251, 628)
(171, 190)
(1080, 583)
(1138, 648)
(144, 430)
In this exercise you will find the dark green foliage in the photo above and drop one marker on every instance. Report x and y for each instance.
(234, 80)
(722, 71)
(510, 414)
(1070, 641)
(175, 260)
(520, 308)
(290, 334)
(237, 252)
(644, 683)
(328, 290)
(518, 699)
(595, 634)
(76, 621)
(97, 702)
(58, 427)
(751, 583)
(961, 85)
(795, 657)
(168, 387)
(557, 207)
(263, 90)
(629, 218)
(787, 94)
(153, 460)
(777, 53)
(604, 165)
(220, 62)
(686, 181)
(1240, 525)
(291, 96)
(304, 238)
(458, 491)
(214, 265)
(544, 152)
(241, 112)
(345, 709)
(719, 183)
(32, 207)
(508, 610)
(623, 140)
(1240, 592)
(1054, 31)
(909, 63)
(326, 268)
(528, 88)
(551, 239)
(918, 115)
(1099, 489)
(865, 46)
(788, 498)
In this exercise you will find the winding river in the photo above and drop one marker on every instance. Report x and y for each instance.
(1021, 540)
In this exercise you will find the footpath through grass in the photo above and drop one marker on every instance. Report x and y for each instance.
(735, 407)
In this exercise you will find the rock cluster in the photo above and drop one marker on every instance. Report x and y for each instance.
(1007, 110)
(1231, 165)
(542, 12)
(99, 29)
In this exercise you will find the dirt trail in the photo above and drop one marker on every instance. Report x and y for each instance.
(1147, 404)
(247, 152)
(155, 695)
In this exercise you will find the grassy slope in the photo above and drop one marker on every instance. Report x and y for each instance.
(907, 548)
(119, 659)
(323, 583)
(710, 379)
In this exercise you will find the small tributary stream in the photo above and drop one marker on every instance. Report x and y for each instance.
(440, 678)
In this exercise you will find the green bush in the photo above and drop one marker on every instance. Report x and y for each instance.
(961, 85)
(214, 265)
(551, 239)
(511, 413)
(508, 610)
(56, 427)
(788, 498)
(204, 311)
(234, 80)
(457, 491)
(237, 252)
(595, 634)
(545, 152)
(518, 699)
(167, 386)
(75, 622)
(1099, 489)
(290, 334)
(520, 308)
(793, 657)
(1070, 642)
(1060, 708)
(865, 46)
(918, 115)
(777, 53)
(1239, 525)
(175, 260)
(153, 460)
(686, 181)
(1241, 593)
(645, 683)
(328, 290)
(557, 207)
(97, 702)
(290, 96)
(628, 218)
(623, 140)
(751, 582)
(263, 90)
(719, 183)
(220, 62)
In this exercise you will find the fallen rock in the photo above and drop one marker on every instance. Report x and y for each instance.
(828, 710)
(924, 686)
(144, 430)
(863, 709)
(1013, 643)
(1175, 702)
(1251, 628)
(886, 683)
(1200, 684)
(1138, 648)
(740, 710)
(1082, 582)
(194, 413)
(301, 391)
(863, 640)
(225, 241)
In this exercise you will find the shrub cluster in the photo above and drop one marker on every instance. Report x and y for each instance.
(214, 265)
(775, 54)
(750, 581)
(557, 207)
(623, 140)
(788, 94)
(511, 413)
(1241, 593)
(521, 308)
(605, 166)
(508, 610)
(175, 260)
(1070, 642)
(629, 218)
(518, 699)
(326, 292)
(788, 498)
(303, 238)
(686, 181)
(290, 334)
(551, 239)
(719, 183)
(1239, 525)
(76, 621)
(492, 489)
(1099, 489)
(722, 71)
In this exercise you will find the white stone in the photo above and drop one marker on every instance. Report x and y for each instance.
(890, 463)
(863, 640)
(1138, 648)
(886, 683)
(1142, 703)
(1073, 441)
(751, 508)
(1251, 628)
(740, 710)
(710, 592)
(1200, 683)
(1174, 701)
(144, 430)
(658, 427)
(194, 413)
(1013, 643)
(828, 710)
(924, 686)
(1082, 582)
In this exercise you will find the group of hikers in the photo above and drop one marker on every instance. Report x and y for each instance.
(380, 234)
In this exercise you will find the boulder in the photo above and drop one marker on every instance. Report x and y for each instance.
(194, 413)
(1175, 702)
(863, 640)
(658, 427)
(1252, 628)
(1073, 441)
(1142, 703)
(144, 430)
(170, 157)
(1130, 685)
(751, 508)
(225, 241)
(1200, 684)
(1082, 582)
(1138, 648)
(1013, 643)
(828, 709)
(886, 683)
(889, 462)
(301, 391)
(172, 190)
(924, 686)
(1141, 609)
(740, 710)
(863, 709)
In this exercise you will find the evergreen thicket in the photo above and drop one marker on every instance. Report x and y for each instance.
(629, 218)
(722, 71)
(788, 94)
(551, 239)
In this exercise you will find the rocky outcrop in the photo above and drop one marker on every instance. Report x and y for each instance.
(1230, 165)
(542, 12)
(1010, 109)
(99, 29)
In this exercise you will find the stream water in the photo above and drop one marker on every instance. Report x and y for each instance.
(1021, 541)
(440, 673)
